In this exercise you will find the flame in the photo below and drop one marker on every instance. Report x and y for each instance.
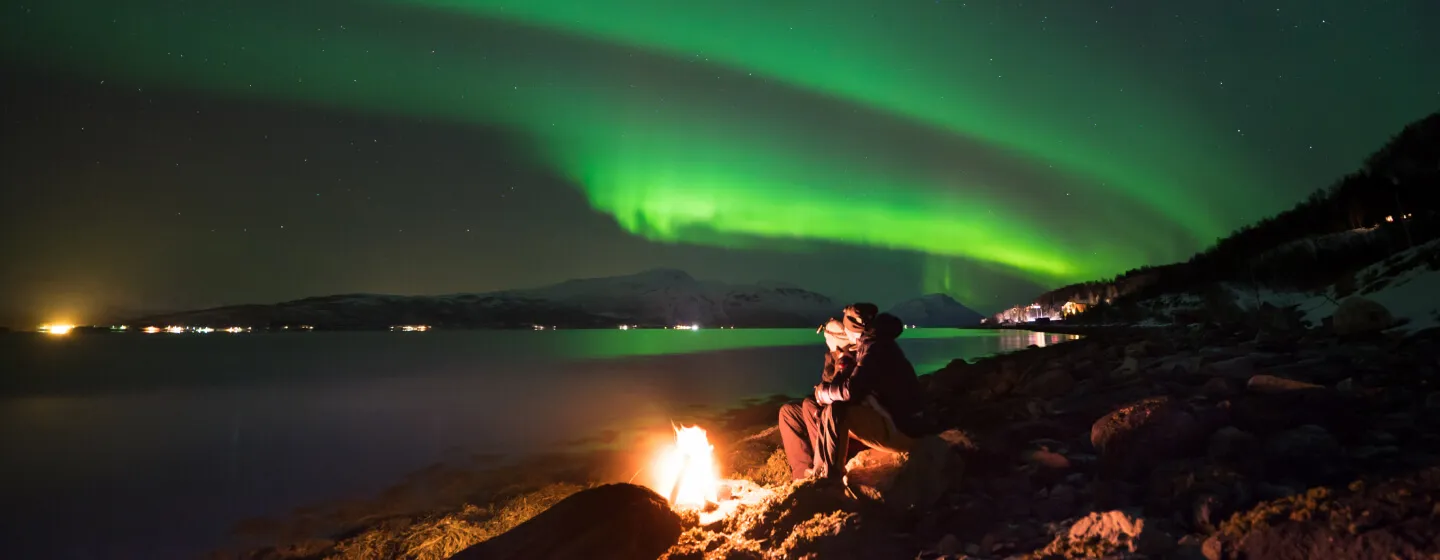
(687, 471)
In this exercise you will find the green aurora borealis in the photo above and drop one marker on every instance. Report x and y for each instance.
(1048, 149)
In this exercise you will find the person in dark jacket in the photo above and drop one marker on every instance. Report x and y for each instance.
(879, 402)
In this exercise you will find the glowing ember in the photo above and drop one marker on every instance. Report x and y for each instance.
(687, 471)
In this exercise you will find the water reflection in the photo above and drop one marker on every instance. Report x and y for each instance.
(1012, 340)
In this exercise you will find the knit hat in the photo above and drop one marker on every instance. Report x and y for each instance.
(858, 316)
(834, 332)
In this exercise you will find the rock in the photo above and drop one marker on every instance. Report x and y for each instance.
(1138, 436)
(1347, 385)
(1137, 349)
(1217, 388)
(1308, 452)
(949, 544)
(1052, 383)
(1270, 384)
(614, 522)
(1178, 365)
(1306, 443)
(954, 376)
(1197, 493)
(959, 440)
(1128, 367)
(902, 481)
(1235, 368)
(1208, 511)
(1012, 496)
(873, 471)
(1266, 413)
(1233, 446)
(1213, 549)
(1357, 316)
(1058, 503)
(1102, 534)
(1046, 459)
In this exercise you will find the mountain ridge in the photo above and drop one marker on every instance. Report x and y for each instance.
(653, 297)
(935, 310)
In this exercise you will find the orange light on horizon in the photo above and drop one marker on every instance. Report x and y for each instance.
(57, 329)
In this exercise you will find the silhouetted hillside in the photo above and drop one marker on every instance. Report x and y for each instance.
(1389, 205)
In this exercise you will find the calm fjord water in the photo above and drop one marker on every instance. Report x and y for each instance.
(153, 446)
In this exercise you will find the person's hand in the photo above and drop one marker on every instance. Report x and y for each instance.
(820, 395)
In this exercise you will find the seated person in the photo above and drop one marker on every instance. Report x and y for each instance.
(798, 419)
(878, 402)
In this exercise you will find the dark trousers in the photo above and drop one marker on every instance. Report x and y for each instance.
(799, 430)
(818, 436)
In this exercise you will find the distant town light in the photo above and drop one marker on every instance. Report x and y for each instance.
(410, 328)
(151, 330)
(56, 329)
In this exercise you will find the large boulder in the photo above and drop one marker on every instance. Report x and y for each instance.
(611, 522)
(1108, 533)
(1138, 436)
(902, 481)
(1357, 316)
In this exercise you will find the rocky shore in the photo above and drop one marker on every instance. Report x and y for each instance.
(1252, 439)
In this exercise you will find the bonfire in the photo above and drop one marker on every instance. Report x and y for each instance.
(688, 476)
(687, 471)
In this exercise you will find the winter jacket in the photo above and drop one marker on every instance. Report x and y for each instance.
(838, 366)
(882, 371)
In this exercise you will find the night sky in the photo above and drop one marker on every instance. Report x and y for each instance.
(163, 154)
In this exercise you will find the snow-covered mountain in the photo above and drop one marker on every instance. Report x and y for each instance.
(935, 310)
(654, 297)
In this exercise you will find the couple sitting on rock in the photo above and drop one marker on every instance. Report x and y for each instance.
(868, 392)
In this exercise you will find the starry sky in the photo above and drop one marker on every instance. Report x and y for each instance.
(166, 154)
